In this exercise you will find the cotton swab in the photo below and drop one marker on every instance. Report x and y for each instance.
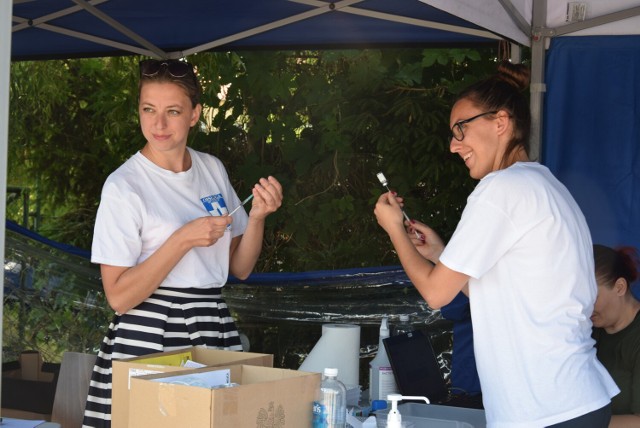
(243, 202)
(385, 183)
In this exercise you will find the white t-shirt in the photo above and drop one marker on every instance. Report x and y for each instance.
(527, 248)
(143, 204)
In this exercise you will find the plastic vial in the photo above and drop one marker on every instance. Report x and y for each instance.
(381, 379)
(403, 326)
(330, 406)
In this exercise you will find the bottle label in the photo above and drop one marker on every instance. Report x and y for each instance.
(319, 415)
(386, 382)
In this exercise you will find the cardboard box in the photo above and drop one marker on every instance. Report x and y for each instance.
(29, 386)
(265, 397)
(22, 415)
(30, 365)
(166, 362)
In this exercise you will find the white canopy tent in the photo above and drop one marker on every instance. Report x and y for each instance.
(533, 23)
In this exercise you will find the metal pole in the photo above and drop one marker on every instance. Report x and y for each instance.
(6, 8)
(538, 86)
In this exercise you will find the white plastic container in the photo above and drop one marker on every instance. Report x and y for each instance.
(330, 406)
(381, 379)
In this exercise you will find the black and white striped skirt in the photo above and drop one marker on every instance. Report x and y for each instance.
(170, 319)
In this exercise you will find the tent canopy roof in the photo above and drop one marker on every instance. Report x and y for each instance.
(515, 20)
(169, 28)
(44, 29)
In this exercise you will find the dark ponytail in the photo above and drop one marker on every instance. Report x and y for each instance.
(612, 264)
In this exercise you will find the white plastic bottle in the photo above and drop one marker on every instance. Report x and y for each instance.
(403, 326)
(330, 406)
(381, 379)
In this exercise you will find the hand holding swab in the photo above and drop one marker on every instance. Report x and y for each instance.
(385, 183)
(241, 204)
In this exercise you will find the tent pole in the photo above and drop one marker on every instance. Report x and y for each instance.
(537, 87)
(5, 69)
(516, 53)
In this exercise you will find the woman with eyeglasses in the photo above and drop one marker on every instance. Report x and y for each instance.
(167, 236)
(522, 253)
(616, 322)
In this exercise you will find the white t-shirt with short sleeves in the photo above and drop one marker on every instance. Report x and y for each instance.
(527, 248)
(143, 204)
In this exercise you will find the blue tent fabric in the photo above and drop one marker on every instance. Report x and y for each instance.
(464, 374)
(592, 131)
(189, 23)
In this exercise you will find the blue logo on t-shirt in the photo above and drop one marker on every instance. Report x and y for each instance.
(215, 204)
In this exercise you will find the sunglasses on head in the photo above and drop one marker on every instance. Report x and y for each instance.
(175, 68)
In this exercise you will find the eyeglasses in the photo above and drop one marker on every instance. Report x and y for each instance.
(175, 68)
(457, 130)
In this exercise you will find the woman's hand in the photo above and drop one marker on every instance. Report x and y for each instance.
(267, 197)
(388, 212)
(204, 231)
(430, 245)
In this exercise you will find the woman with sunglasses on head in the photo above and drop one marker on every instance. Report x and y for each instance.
(522, 253)
(616, 322)
(164, 238)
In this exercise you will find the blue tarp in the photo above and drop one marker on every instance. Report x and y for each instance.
(592, 131)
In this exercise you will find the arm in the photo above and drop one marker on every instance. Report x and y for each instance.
(245, 249)
(437, 284)
(126, 287)
(624, 421)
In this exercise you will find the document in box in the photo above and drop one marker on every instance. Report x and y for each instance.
(209, 379)
(182, 360)
(139, 372)
(176, 360)
(193, 365)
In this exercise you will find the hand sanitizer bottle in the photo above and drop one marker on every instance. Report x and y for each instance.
(381, 379)
(394, 418)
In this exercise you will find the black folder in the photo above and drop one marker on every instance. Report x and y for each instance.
(415, 366)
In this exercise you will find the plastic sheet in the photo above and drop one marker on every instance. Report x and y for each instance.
(281, 313)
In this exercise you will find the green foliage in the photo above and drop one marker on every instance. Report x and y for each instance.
(71, 123)
(53, 301)
(322, 122)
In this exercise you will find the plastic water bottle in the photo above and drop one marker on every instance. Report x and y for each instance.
(330, 406)
(403, 326)
(381, 379)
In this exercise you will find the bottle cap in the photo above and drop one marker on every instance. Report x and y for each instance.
(384, 327)
(378, 404)
(331, 372)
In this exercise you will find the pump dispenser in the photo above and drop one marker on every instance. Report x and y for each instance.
(394, 418)
(381, 379)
